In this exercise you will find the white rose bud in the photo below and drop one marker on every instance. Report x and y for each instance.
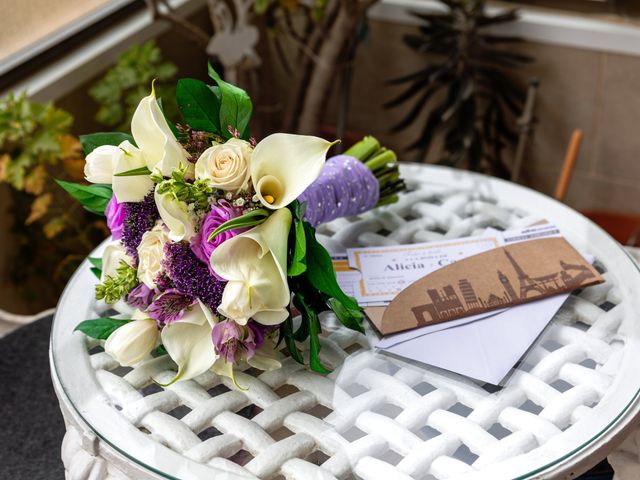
(133, 341)
(111, 258)
(150, 255)
(226, 165)
(101, 162)
(130, 188)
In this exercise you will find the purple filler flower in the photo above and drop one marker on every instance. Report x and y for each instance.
(140, 218)
(190, 275)
(170, 307)
(115, 213)
(201, 246)
(140, 297)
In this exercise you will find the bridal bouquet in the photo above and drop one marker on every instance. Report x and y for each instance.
(213, 233)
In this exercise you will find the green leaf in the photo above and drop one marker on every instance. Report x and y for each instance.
(158, 352)
(94, 140)
(320, 271)
(97, 266)
(134, 172)
(287, 333)
(235, 107)
(92, 197)
(199, 105)
(311, 317)
(95, 261)
(249, 219)
(350, 318)
(100, 328)
(322, 277)
(299, 259)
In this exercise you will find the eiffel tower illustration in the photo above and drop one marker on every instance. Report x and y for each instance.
(527, 284)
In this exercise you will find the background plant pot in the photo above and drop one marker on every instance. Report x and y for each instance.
(624, 227)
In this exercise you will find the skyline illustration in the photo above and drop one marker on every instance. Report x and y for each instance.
(448, 303)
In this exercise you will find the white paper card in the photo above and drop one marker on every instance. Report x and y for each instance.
(386, 271)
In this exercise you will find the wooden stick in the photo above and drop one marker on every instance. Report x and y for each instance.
(569, 162)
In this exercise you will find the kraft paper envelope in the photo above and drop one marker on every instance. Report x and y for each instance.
(486, 349)
(496, 279)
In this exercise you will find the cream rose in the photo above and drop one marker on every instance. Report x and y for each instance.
(226, 165)
(101, 163)
(150, 255)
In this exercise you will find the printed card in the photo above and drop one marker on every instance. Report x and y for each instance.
(386, 271)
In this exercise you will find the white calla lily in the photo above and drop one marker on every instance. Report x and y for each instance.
(113, 254)
(155, 139)
(130, 188)
(188, 342)
(100, 163)
(284, 165)
(254, 263)
(266, 358)
(175, 216)
(133, 342)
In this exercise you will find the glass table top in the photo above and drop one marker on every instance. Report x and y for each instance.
(568, 396)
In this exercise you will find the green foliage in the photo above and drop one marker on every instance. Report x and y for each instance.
(298, 262)
(93, 197)
(249, 219)
(467, 86)
(100, 328)
(320, 273)
(310, 318)
(96, 266)
(197, 192)
(235, 107)
(134, 172)
(199, 105)
(30, 136)
(129, 80)
(286, 333)
(94, 140)
(116, 287)
(315, 289)
(49, 235)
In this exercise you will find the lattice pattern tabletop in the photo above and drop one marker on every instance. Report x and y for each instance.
(375, 416)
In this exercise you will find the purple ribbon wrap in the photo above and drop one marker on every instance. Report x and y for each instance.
(345, 187)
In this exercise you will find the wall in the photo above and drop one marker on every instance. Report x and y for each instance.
(594, 91)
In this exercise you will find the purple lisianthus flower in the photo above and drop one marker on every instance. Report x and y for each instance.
(115, 213)
(170, 307)
(200, 243)
(235, 342)
(140, 297)
(259, 332)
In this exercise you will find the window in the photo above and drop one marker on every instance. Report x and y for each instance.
(30, 28)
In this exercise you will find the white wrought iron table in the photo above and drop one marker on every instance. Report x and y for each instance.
(568, 402)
